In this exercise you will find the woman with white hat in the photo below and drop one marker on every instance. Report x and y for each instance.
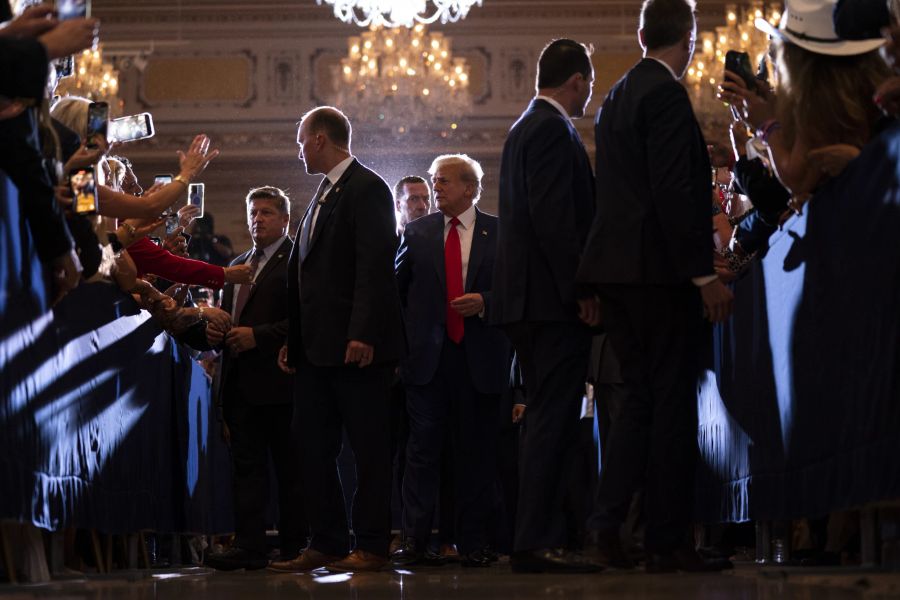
(822, 113)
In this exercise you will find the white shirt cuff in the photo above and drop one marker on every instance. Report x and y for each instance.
(701, 281)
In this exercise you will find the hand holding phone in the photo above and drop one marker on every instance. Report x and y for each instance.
(739, 64)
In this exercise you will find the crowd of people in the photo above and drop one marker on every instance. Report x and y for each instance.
(414, 327)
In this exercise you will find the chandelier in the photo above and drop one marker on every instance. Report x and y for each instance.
(403, 78)
(93, 78)
(397, 13)
(739, 33)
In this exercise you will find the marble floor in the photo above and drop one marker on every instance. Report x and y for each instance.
(746, 582)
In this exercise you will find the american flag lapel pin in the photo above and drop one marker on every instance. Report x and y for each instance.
(484, 232)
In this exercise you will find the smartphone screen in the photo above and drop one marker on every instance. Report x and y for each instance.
(73, 9)
(196, 192)
(84, 191)
(98, 122)
(155, 240)
(163, 179)
(129, 129)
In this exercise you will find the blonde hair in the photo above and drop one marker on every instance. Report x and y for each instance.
(470, 169)
(72, 111)
(824, 99)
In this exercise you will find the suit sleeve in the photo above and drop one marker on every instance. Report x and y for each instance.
(375, 247)
(270, 337)
(150, 258)
(670, 128)
(549, 164)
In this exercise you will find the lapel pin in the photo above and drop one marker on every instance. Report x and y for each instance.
(337, 189)
(484, 232)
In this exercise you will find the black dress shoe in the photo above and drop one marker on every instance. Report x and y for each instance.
(236, 558)
(407, 554)
(479, 558)
(552, 560)
(685, 560)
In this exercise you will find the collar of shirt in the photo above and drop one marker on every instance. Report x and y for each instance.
(666, 65)
(271, 249)
(466, 218)
(337, 172)
(554, 104)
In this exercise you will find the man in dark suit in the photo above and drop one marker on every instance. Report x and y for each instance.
(546, 206)
(344, 340)
(457, 365)
(649, 256)
(255, 395)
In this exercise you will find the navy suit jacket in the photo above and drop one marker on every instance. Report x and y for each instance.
(346, 289)
(422, 282)
(546, 208)
(654, 185)
(255, 373)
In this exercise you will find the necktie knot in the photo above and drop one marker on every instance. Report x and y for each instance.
(454, 221)
(259, 254)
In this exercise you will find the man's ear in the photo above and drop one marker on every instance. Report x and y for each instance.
(641, 39)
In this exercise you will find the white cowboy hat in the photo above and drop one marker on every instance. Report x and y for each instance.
(809, 24)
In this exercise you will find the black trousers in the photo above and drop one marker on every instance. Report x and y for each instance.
(554, 361)
(656, 332)
(258, 432)
(329, 400)
(451, 406)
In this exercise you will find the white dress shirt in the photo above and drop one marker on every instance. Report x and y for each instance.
(268, 252)
(464, 229)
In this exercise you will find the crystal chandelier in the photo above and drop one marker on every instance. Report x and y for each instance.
(397, 13)
(93, 78)
(708, 66)
(403, 78)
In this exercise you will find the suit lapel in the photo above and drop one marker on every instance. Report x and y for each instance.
(332, 199)
(480, 240)
(271, 263)
(437, 241)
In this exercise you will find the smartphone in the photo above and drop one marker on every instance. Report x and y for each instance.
(196, 191)
(84, 191)
(98, 122)
(129, 129)
(155, 240)
(739, 63)
(73, 9)
(164, 179)
(64, 66)
(171, 221)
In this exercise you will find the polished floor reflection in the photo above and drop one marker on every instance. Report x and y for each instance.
(747, 582)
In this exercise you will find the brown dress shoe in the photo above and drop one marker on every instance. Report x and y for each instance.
(359, 560)
(308, 560)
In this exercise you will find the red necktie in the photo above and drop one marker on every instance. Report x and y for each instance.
(244, 292)
(453, 269)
